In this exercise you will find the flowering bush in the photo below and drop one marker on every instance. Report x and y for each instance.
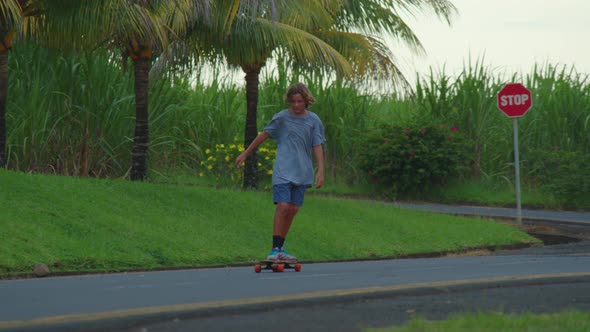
(219, 162)
(406, 160)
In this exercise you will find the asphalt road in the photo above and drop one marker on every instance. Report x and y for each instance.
(393, 310)
(129, 301)
(561, 217)
(334, 296)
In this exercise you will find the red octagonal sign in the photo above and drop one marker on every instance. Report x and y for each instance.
(514, 100)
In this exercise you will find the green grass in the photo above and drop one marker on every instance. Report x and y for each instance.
(80, 224)
(570, 321)
(484, 192)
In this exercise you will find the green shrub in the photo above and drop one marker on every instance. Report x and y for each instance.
(563, 173)
(407, 160)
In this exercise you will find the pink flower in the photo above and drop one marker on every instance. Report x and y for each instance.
(408, 130)
(423, 130)
(454, 128)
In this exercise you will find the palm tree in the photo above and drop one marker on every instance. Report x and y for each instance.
(168, 17)
(11, 16)
(140, 28)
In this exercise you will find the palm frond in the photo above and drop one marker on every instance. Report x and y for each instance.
(369, 56)
(443, 9)
(254, 43)
(87, 23)
(10, 15)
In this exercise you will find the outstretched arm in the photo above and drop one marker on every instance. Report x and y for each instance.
(318, 152)
(255, 143)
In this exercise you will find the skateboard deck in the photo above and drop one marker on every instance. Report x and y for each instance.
(276, 266)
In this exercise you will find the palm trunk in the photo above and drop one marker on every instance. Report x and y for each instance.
(3, 95)
(142, 134)
(251, 164)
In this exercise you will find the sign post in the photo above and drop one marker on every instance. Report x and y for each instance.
(515, 100)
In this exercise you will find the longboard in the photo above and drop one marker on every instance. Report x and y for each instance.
(276, 266)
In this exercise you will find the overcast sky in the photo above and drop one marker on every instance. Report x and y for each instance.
(511, 36)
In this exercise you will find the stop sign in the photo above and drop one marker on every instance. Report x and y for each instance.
(514, 100)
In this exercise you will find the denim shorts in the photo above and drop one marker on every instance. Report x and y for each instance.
(288, 193)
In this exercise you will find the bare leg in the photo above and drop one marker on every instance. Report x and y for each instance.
(284, 214)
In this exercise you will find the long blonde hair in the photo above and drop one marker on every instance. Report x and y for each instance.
(300, 88)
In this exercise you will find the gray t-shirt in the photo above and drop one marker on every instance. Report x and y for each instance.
(296, 136)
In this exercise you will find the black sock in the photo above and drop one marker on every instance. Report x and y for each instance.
(277, 241)
(282, 242)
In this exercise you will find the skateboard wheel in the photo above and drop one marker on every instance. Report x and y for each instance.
(257, 268)
(281, 268)
(275, 268)
(297, 267)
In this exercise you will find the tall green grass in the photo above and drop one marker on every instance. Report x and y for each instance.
(558, 121)
(468, 101)
(560, 117)
(74, 114)
(67, 114)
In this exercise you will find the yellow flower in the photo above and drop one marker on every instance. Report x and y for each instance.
(210, 167)
(207, 151)
(201, 174)
(227, 159)
(269, 172)
(221, 146)
(259, 164)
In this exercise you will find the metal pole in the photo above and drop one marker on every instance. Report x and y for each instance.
(517, 171)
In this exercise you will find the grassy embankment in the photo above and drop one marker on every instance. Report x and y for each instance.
(81, 225)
